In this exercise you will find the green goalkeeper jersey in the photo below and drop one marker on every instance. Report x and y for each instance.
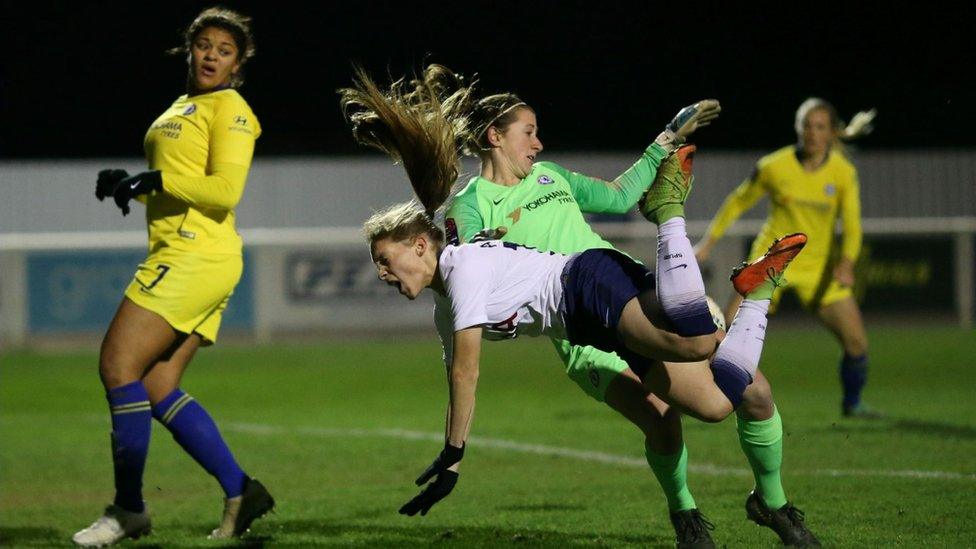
(545, 210)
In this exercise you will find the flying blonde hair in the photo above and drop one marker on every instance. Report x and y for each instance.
(425, 124)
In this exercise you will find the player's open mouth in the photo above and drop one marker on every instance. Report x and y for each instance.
(208, 71)
(531, 157)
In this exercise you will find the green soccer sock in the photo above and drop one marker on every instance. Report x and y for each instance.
(762, 442)
(672, 473)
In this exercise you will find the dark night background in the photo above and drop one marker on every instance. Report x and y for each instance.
(82, 80)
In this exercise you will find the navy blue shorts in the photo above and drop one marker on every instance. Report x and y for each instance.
(596, 287)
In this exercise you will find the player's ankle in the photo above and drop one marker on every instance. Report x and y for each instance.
(667, 212)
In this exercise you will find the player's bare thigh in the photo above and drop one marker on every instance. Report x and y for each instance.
(690, 388)
(843, 318)
(642, 330)
(134, 341)
(165, 375)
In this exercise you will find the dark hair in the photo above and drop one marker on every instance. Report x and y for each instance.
(236, 24)
(494, 111)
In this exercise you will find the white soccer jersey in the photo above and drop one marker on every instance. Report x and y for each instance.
(508, 289)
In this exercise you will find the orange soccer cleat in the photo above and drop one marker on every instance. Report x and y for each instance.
(768, 269)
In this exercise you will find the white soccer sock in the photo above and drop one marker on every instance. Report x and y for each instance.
(743, 342)
(680, 289)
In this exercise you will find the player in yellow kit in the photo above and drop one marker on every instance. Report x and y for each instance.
(811, 185)
(199, 153)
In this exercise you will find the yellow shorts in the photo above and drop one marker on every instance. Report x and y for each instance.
(813, 292)
(810, 278)
(190, 291)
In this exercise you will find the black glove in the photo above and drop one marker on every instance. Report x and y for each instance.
(442, 485)
(107, 180)
(140, 183)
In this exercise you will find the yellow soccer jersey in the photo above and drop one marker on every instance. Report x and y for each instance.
(800, 201)
(203, 146)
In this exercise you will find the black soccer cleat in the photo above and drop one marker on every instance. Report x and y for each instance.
(787, 521)
(691, 530)
(240, 512)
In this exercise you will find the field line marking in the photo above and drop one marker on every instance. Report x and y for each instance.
(582, 455)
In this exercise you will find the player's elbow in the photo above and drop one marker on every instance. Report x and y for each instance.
(620, 207)
(231, 201)
(623, 199)
(229, 196)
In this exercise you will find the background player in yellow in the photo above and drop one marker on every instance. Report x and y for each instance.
(811, 185)
(199, 152)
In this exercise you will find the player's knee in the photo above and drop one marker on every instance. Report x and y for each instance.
(662, 432)
(111, 376)
(112, 368)
(715, 413)
(663, 443)
(711, 410)
(856, 346)
(757, 401)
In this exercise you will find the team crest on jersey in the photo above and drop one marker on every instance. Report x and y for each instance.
(545, 180)
(830, 189)
(190, 110)
(515, 215)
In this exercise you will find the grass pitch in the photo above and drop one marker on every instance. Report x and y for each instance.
(339, 431)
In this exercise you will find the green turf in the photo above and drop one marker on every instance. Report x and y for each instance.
(319, 425)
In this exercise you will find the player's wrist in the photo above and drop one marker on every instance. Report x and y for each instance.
(656, 151)
(668, 140)
(154, 180)
(452, 453)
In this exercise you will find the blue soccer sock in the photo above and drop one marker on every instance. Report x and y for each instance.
(196, 432)
(131, 427)
(853, 377)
